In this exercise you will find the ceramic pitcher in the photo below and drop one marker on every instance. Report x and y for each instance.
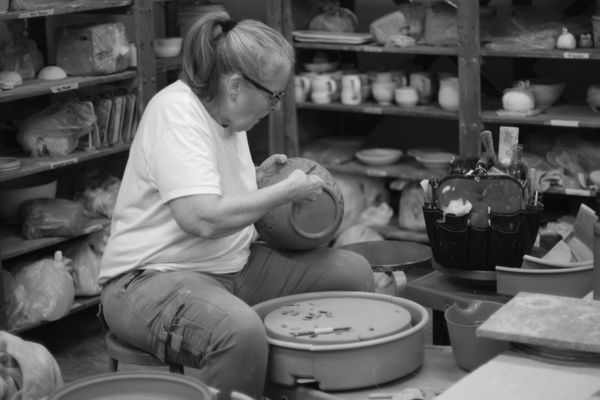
(448, 93)
(302, 87)
(324, 88)
(422, 82)
(351, 89)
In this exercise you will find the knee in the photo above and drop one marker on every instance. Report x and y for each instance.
(354, 271)
(244, 328)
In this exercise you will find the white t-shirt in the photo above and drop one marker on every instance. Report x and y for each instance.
(179, 150)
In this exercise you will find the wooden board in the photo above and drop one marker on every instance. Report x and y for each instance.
(512, 376)
(545, 320)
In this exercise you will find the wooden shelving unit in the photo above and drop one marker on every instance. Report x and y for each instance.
(428, 111)
(96, 5)
(168, 64)
(12, 244)
(37, 87)
(374, 48)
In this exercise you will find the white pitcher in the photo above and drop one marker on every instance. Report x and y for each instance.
(324, 88)
(351, 89)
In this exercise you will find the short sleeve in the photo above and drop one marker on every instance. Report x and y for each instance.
(182, 160)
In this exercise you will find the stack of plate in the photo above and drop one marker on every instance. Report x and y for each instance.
(8, 164)
(332, 37)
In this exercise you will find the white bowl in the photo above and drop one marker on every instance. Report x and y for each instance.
(321, 67)
(168, 47)
(379, 156)
(437, 160)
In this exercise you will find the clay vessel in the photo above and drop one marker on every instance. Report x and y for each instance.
(302, 226)
(593, 97)
(448, 94)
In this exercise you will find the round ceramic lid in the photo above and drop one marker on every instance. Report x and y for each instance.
(316, 218)
(336, 320)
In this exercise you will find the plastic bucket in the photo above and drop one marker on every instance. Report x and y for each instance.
(596, 30)
(470, 351)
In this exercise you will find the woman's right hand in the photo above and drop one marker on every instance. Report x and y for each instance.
(304, 187)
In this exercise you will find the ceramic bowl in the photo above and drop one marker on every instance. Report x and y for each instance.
(436, 160)
(320, 67)
(379, 156)
(168, 47)
(546, 92)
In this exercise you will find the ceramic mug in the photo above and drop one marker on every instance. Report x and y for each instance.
(324, 88)
(351, 89)
(383, 92)
(302, 87)
(421, 81)
(406, 96)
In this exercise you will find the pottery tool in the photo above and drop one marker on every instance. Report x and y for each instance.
(311, 169)
(322, 331)
(488, 145)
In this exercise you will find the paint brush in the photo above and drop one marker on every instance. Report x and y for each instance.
(311, 169)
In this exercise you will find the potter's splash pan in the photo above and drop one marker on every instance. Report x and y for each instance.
(343, 340)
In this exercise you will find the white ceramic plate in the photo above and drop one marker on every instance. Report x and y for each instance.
(436, 160)
(332, 37)
(321, 67)
(379, 156)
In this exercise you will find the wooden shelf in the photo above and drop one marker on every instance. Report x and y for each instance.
(80, 303)
(37, 87)
(571, 116)
(30, 166)
(168, 64)
(66, 9)
(408, 169)
(576, 54)
(12, 243)
(374, 48)
(429, 111)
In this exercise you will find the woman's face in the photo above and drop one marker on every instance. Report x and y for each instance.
(256, 99)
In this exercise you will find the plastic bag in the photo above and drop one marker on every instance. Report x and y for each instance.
(334, 19)
(52, 217)
(93, 50)
(86, 255)
(19, 53)
(357, 234)
(377, 215)
(56, 130)
(410, 214)
(100, 201)
(31, 371)
(44, 291)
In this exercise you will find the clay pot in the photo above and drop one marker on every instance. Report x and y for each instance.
(593, 97)
(302, 226)
(448, 94)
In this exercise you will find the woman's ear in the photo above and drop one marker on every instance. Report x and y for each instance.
(234, 86)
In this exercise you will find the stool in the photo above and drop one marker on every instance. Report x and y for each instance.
(120, 351)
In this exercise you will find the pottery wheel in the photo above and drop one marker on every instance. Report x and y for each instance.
(336, 320)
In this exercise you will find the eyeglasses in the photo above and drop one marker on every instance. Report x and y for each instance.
(274, 98)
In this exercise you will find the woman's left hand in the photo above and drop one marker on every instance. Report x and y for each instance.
(271, 161)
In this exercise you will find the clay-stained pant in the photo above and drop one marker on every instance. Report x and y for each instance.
(206, 321)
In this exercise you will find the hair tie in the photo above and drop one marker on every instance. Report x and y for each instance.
(228, 25)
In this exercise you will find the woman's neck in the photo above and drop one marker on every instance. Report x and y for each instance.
(214, 110)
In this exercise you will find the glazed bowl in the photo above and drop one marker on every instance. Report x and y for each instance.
(305, 225)
(379, 156)
(436, 161)
(546, 92)
(168, 47)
